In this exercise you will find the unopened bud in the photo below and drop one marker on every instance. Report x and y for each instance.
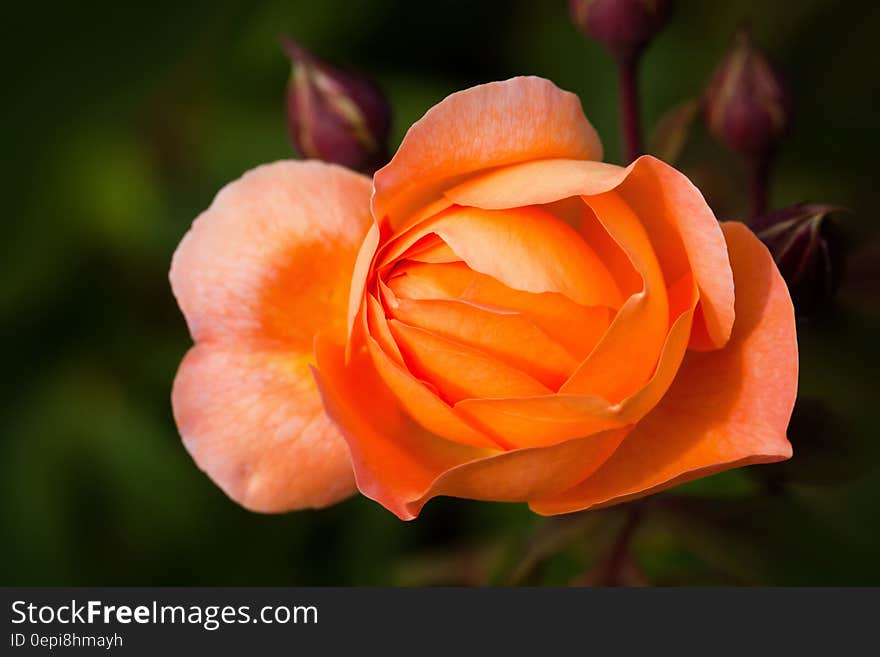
(333, 115)
(746, 106)
(624, 27)
(806, 246)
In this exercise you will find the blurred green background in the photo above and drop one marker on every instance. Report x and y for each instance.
(121, 121)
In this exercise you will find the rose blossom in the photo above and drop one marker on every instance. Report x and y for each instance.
(496, 315)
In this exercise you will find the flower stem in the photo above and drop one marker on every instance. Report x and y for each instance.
(630, 125)
(612, 572)
(760, 166)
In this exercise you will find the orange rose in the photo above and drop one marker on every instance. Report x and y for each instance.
(507, 318)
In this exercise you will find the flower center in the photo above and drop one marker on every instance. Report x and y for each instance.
(496, 303)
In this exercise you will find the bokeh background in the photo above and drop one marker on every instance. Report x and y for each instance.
(121, 121)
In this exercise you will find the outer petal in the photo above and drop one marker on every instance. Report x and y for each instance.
(254, 422)
(490, 125)
(401, 466)
(272, 258)
(260, 272)
(726, 408)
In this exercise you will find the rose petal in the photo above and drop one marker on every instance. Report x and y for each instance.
(431, 249)
(377, 329)
(423, 404)
(504, 335)
(522, 474)
(725, 409)
(394, 458)
(260, 272)
(272, 258)
(577, 328)
(581, 217)
(253, 421)
(489, 125)
(627, 355)
(362, 264)
(458, 371)
(529, 249)
(658, 194)
(537, 182)
(553, 419)
(419, 398)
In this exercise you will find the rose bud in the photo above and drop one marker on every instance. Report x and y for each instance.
(333, 115)
(623, 26)
(746, 107)
(806, 246)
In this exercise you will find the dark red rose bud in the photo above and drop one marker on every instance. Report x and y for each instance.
(806, 246)
(623, 26)
(746, 106)
(333, 115)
